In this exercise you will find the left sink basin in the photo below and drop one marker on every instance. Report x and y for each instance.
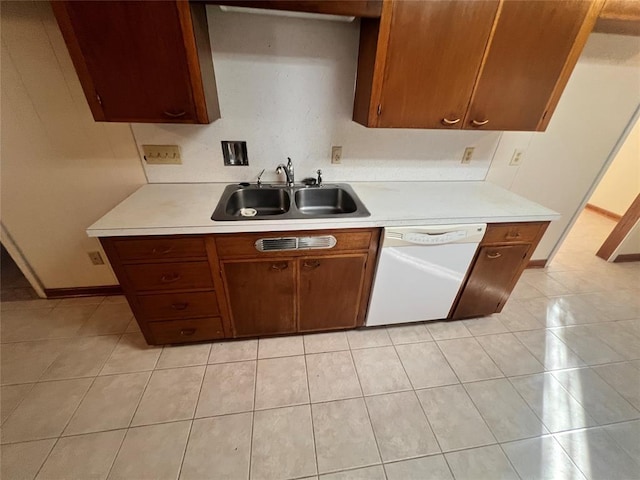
(266, 201)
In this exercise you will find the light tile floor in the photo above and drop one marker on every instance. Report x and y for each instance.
(548, 389)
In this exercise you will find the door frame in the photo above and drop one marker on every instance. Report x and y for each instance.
(596, 181)
(21, 261)
(620, 232)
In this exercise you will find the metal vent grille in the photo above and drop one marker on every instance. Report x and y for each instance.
(325, 241)
(270, 244)
(295, 243)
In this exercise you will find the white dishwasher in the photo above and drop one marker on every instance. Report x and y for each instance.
(420, 272)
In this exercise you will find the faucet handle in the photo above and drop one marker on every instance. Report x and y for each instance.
(259, 182)
(319, 180)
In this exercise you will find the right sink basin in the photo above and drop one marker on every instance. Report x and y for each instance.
(327, 200)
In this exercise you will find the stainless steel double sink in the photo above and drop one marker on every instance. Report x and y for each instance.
(260, 202)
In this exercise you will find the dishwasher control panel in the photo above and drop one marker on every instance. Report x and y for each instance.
(433, 235)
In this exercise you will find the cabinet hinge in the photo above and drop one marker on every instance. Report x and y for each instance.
(99, 99)
(379, 109)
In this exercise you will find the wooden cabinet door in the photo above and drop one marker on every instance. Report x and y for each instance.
(491, 280)
(261, 296)
(532, 52)
(434, 53)
(330, 291)
(137, 60)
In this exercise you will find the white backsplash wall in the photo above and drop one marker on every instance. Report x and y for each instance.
(286, 86)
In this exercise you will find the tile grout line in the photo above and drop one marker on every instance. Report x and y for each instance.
(313, 429)
(47, 457)
(253, 407)
(59, 436)
(193, 415)
(415, 394)
(31, 385)
(366, 407)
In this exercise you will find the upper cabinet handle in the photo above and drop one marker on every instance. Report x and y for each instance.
(494, 255)
(446, 121)
(477, 123)
(175, 115)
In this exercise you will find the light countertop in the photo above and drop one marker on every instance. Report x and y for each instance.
(186, 208)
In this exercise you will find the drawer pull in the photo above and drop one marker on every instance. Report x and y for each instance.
(174, 277)
(180, 306)
(494, 255)
(311, 264)
(479, 123)
(279, 266)
(446, 121)
(175, 115)
(157, 251)
(186, 332)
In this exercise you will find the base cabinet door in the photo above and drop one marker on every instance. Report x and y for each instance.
(261, 296)
(330, 291)
(491, 279)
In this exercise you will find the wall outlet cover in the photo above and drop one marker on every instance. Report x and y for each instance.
(96, 258)
(467, 155)
(516, 159)
(336, 155)
(162, 154)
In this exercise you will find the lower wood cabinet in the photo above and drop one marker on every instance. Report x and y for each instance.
(330, 291)
(503, 255)
(191, 288)
(261, 296)
(170, 286)
(194, 288)
(286, 291)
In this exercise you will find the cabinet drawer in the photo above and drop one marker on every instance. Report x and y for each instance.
(170, 276)
(234, 245)
(169, 306)
(182, 331)
(512, 233)
(160, 248)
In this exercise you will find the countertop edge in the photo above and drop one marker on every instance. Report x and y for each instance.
(284, 225)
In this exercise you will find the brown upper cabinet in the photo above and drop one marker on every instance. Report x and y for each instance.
(141, 61)
(470, 64)
(619, 16)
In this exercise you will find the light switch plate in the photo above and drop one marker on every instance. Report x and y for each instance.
(162, 154)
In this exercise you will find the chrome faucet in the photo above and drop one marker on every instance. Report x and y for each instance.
(288, 171)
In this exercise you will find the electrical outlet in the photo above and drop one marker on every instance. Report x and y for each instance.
(467, 155)
(96, 258)
(336, 155)
(516, 159)
(162, 154)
